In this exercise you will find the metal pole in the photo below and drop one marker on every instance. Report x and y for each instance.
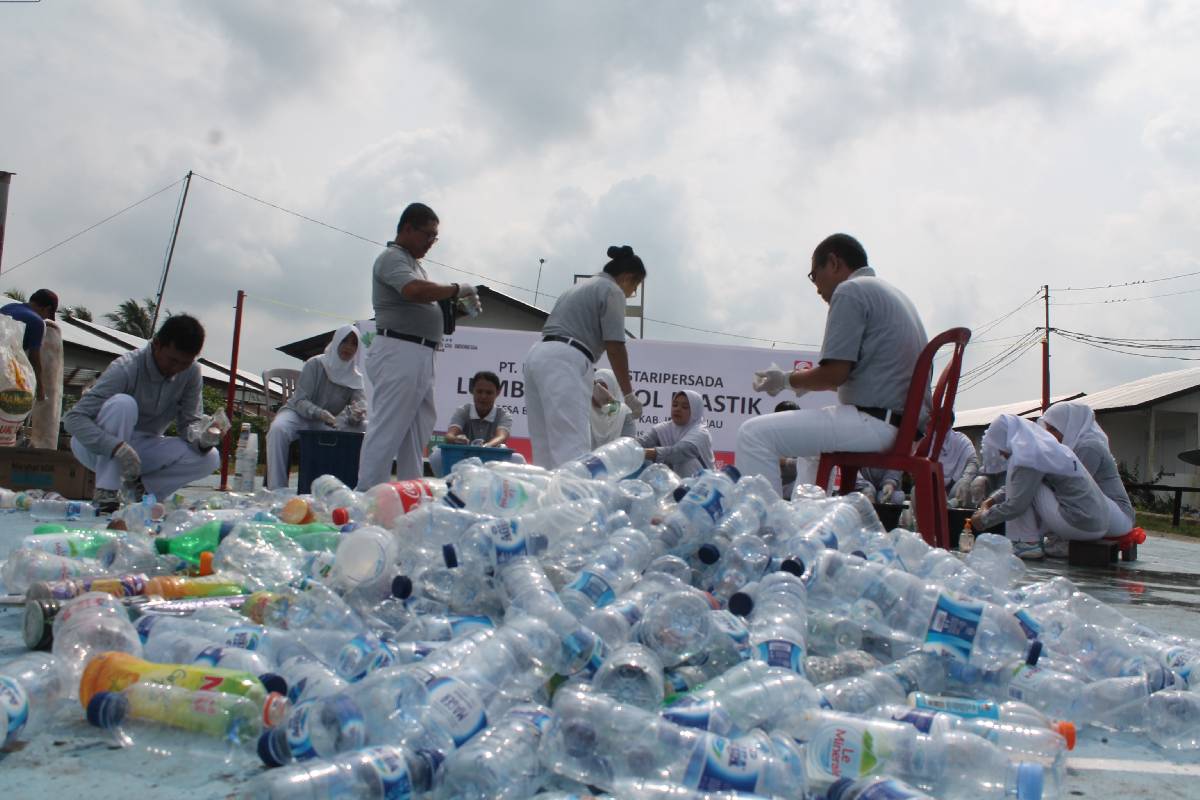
(538, 285)
(5, 178)
(162, 285)
(1046, 353)
(226, 443)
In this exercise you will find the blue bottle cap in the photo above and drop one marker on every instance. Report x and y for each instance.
(733, 472)
(107, 709)
(273, 747)
(452, 500)
(741, 603)
(1031, 780)
(1035, 652)
(708, 554)
(274, 683)
(860, 554)
(838, 788)
(449, 556)
(792, 566)
(679, 493)
(402, 587)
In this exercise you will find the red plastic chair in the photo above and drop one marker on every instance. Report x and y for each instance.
(918, 458)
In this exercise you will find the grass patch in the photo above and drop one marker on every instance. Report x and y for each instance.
(1162, 522)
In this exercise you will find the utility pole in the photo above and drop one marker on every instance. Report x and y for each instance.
(228, 439)
(1046, 351)
(5, 179)
(162, 285)
(538, 285)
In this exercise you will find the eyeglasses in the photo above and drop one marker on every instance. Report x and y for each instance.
(812, 272)
(430, 236)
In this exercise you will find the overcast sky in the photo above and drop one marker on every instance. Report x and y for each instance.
(978, 150)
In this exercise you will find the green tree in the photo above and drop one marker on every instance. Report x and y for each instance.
(133, 317)
(76, 312)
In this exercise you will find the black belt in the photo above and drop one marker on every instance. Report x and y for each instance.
(572, 342)
(408, 337)
(885, 414)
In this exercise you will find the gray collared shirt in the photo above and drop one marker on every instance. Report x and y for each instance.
(160, 400)
(394, 269)
(874, 325)
(592, 312)
(316, 393)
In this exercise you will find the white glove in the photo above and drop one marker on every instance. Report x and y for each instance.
(129, 461)
(328, 418)
(466, 290)
(356, 413)
(772, 381)
(885, 493)
(634, 404)
(210, 436)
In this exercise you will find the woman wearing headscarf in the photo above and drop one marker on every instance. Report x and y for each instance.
(330, 385)
(960, 466)
(1046, 490)
(681, 442)
(588, 321)
(1074, 424)
(611, 418)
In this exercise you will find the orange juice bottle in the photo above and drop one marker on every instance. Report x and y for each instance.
(112, 672)
(175, 587)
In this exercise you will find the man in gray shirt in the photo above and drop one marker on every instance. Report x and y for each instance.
(873, 338)
(117, 426)
(408, 324)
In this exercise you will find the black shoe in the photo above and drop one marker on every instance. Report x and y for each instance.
(133, 491)
(106, 501)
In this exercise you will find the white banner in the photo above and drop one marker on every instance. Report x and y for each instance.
(719, 373)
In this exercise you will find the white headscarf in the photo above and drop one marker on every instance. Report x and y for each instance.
(669, 433)
(1077, 424)
(1029, 446)
(608, 419)
(343, 373)
(956, 451)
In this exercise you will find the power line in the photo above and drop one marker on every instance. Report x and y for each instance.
(1033, 335)
(1127, 299)
(1010, 357)
(987, 326)
(1140, 344)
(1098, 345)
(92, 227)
(1129, 283)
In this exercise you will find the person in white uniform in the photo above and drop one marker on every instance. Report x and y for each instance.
(1074, 424)
(960, 467)
(587, 319)
(611, 418)
(880, 485)
(481, 421)
(873, 338)
(682, 442)
(1047, 491)
(329, 394)
(117, 426)
(408, 324)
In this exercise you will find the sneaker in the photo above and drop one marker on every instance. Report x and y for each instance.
(106, 501)
(1029, 551)
(1055, 547)
(133, 491)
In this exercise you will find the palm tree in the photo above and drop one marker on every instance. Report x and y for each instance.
(133, 317)
(15, 294)
(76, 312)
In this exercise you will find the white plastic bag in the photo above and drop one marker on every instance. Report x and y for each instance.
(16, 380)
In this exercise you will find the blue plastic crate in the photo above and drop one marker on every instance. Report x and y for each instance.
(328, 453)
(454, 453)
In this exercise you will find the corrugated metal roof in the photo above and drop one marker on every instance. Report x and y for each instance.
(978, 417)
(1146, 391)
(108, 340)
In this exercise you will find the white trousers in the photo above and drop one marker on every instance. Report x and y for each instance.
(168, 462)
(285, 429)
(558, 396)
(805, 435)
(1044, 517)
(402, 411)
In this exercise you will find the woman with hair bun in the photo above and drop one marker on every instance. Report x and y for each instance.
(587, 321)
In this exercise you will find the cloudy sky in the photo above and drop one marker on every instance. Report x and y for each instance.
(979, 150)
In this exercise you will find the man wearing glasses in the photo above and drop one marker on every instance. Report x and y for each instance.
(873, 338)
(408, 323)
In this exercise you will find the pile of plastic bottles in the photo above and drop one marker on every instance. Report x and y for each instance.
(601, 628)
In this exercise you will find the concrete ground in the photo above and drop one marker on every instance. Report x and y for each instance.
(73, 760)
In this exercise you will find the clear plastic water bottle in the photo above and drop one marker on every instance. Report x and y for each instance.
(309, 679)
(611, 462)
(660, 478)
(486, 492)
(677, 625)
(364, 555)
(874, 788)
(530, 593)
(699, 511)
(90, 625)
(632, 674)
(846, 664)
(743, 559)
(61, 510)
(335, 495)
(992, 557)
(383, 772)
(750, 695)
(1112, 702)
(31, 688)
(611, 569)
(501, 763)
(991, 713)
(601, 742)
(24, 568)
(246, 460)
(1019, 742)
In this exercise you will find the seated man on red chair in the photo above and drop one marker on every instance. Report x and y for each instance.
(873, 338)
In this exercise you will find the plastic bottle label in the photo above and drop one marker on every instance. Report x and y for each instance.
(958, 706)
(1028, 625)
(921, 720)
(508, 495)
(890, 790)
(1027, 679)
(782, 653)
(507, 542)
(210, 655)
(243, 637)
(465, 624)
(690, 713)
(594, 465)
(534, 715)
(594, 588)
(733, 764)
(953, 627)
(708, 500)
(389, 765)
(457, 707)
(74, 509)
(844, 750)
(354, 657)
(299, 738)
(16, 703)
